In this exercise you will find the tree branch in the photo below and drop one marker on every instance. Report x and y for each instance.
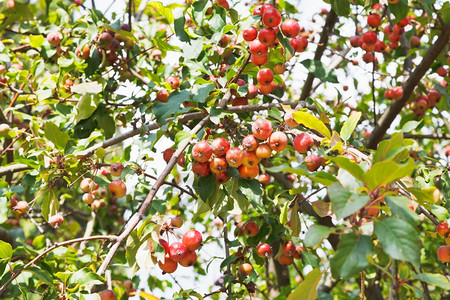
(324, 36)
(57, 245)
(408, 87)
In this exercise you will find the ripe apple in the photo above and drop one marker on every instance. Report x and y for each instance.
(370, 37)
(218, 165)
(443, 253)
(249, 143)
(279, 68)
(245, 269)
(265, 76)
(221, 178)
(250, 229)
(248, 172)
(107, 295)
(54, 38)
(192, 239)
(261, 129)
(303, 142)
(264, 179)
(173, 81)
(168, 266)
(249, 159)
(56, 220)
(116, 169)
(202, 151)
(162, 96)
(263, 250)
(189, 259)
(368, 57)
(414, 41)
(374, 20)
(442, 229)
(288, 248)
(252, 91)
(250, 34)
(278, 141)
(285, 259)
(263, 151)
(201, 169)
(356, 41)
(290, 28)
(257, 48)
(266, 88)
(117, 188)
(267, 36)
(220, 146)
(234, 157)
(271, 17)
(289, 119)
(313, 162)
(83, 53)
(441, 71)
(177, 251)
(259, 60)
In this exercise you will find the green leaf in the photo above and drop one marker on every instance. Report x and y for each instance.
(232, 188)
(227, 261)
(41, 274)
(284, 213)
(85, 276)
(386, 146)
(399, 207)
(163, 110)
(132, 246)
(399, 239)
(351, 255)
(5, 251)
(295, 220)
(179, 29)
(86, 106)
(39, 241)
(307, 290)
(342, 8)
(316, 234)
(400, 9)
(36, 41)
(288, 50)
(349, 126)
(107, 123)
(201, 92)
(311, 122)
(204, 186)
(345, 203)
(50, 204)
(434, 279)
(181, 136)
(3, 209)
(55, 135)
(92, 87)
(319, 71)
(251, 189)
(350, 166)
(385, 172)
(410, 126)
(444, 186)
(166, 12)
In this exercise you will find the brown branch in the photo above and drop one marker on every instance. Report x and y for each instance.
(329, 25)
(183, 190)
(408, 87)
(57, 245)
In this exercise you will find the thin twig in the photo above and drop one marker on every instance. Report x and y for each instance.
(57, 245)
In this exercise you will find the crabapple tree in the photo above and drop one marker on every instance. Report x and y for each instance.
(300, 156)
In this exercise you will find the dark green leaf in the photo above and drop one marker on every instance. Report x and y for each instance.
(350, 257)
(399, 239)
(55, 135)
(400, 207)
(345, 203)
(179, 29)
(205, 186)
(342, 8)
(400, 9)
(434, 279)
(316, 234)
(163, 110)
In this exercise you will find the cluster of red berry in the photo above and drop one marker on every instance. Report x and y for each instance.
(94, 196)
(183, 252)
